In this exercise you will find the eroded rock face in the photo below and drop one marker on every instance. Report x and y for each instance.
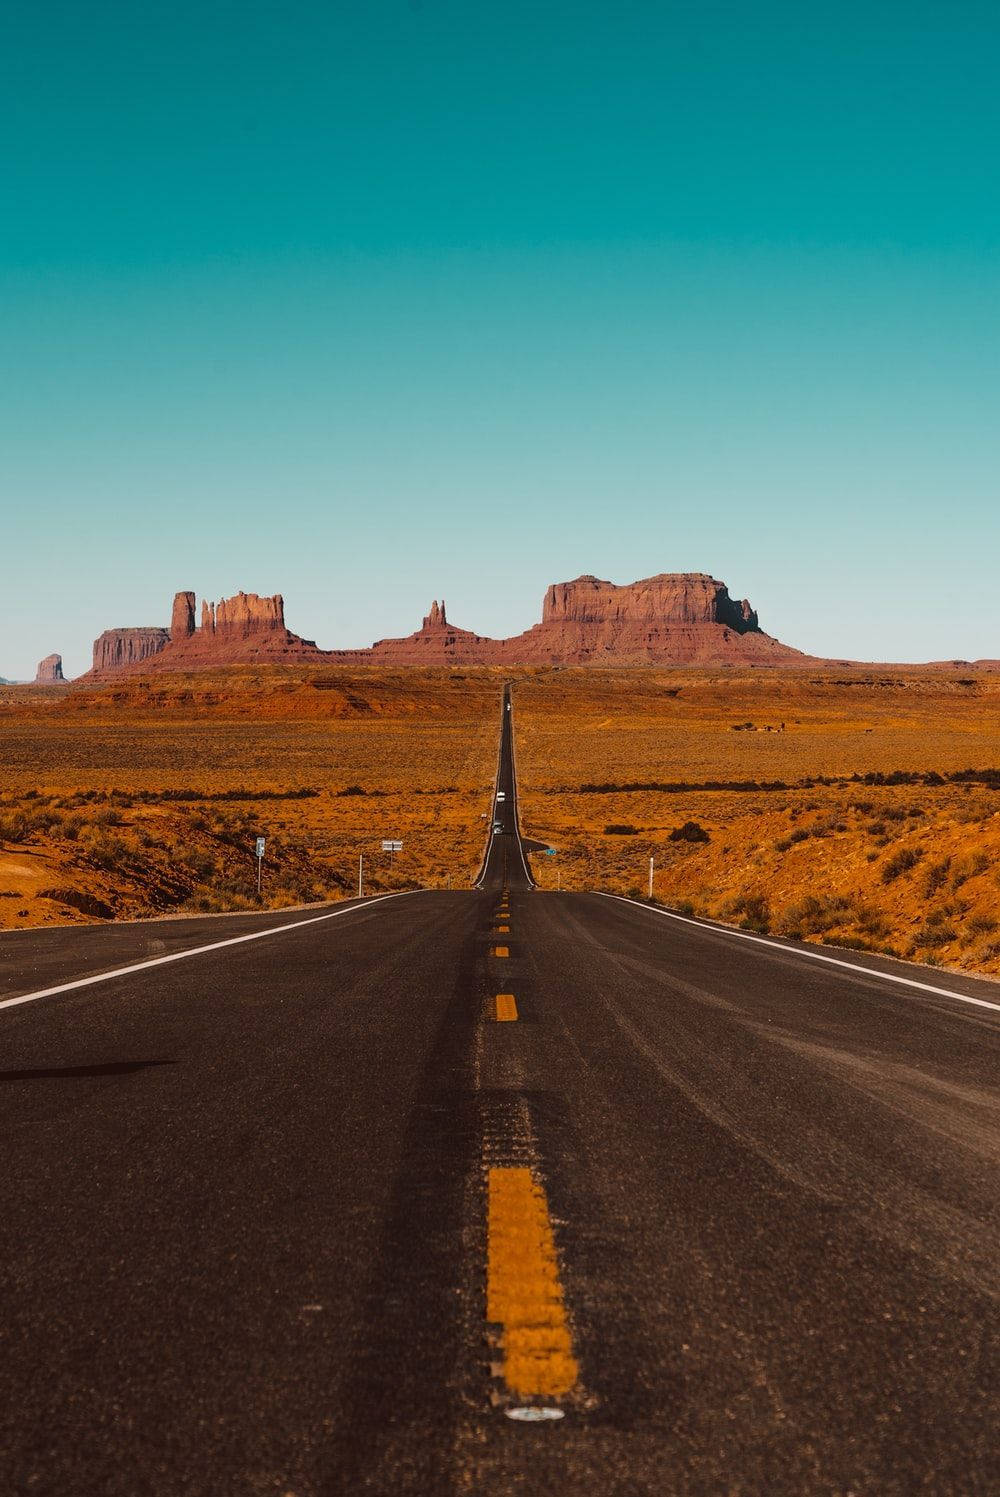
(670, 598)
(685, 618)
(682, 618)
(120, 649)
(49, 671)
(182, 617)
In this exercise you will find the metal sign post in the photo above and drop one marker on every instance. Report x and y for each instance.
(650, 878)
(361, 875)
(391, 845)
(260, 861)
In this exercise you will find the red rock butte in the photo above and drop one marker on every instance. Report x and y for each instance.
(671, 619)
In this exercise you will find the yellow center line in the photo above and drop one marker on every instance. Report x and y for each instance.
(501, 930)
(501, 951)
(523, 1292)
(504, 1007)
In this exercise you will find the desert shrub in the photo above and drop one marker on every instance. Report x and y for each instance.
(876, 829)
(197, 861)
(901, 861)
(870, 920)
(981, 925)
(937, 930)
(13, 828)
(813, 914)
(106, 852)
(935, 877)
(970, 867)
(683, 907)
(689, 832)
(755, 909)
(620, 829)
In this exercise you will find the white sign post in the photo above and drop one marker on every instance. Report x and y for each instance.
(260, 861)
(650, 878)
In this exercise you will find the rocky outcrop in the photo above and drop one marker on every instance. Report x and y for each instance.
(237, 631)
(683, 618)
(670, 598)
(49, 671)
(119, 650)
(182, 617)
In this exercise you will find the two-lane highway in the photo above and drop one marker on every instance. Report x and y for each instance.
(494, 1192)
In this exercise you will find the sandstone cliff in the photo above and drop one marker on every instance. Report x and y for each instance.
(685, 618)
(234, 631)
(49, 671)
(673, 618)
(182, 616)
(122, 649)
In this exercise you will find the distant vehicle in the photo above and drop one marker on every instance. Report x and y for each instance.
(501, 795)
(498, 826)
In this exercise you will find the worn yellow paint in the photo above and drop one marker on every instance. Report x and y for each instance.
(505, 1007)
(523, 1292)
(501, 951)
(501, 930)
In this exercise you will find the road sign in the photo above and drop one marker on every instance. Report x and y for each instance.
(390, 846)
(260, 847)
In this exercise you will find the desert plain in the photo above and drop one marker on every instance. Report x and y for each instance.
(859, 808)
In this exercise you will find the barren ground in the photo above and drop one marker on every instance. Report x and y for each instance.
(843, 810)
(861, 809)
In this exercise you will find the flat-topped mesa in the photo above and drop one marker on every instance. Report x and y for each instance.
(120, 649)
(49, 671)
(668, 598)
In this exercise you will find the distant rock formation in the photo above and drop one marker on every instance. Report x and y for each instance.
(672, 619)
(685, 618)
(235, 631)
(49, 671)
(118, 650)
(182, 616)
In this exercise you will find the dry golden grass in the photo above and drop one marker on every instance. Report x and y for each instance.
(907, 868)
(91, 823)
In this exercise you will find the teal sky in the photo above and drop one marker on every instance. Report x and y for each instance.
(369, 303)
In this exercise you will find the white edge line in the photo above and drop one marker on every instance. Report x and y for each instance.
(813, 956)
(180, 956)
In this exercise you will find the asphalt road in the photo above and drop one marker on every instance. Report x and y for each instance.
(732, 1210)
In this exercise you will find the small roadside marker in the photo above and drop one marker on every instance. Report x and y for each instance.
(534, 1415)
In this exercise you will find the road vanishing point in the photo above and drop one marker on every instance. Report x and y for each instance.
(493, 1191)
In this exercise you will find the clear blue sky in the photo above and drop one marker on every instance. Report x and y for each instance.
(372, 302)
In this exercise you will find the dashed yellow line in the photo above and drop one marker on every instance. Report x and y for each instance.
(502, 930)
(501, 951)
(504, 1007)
(523, 1292)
